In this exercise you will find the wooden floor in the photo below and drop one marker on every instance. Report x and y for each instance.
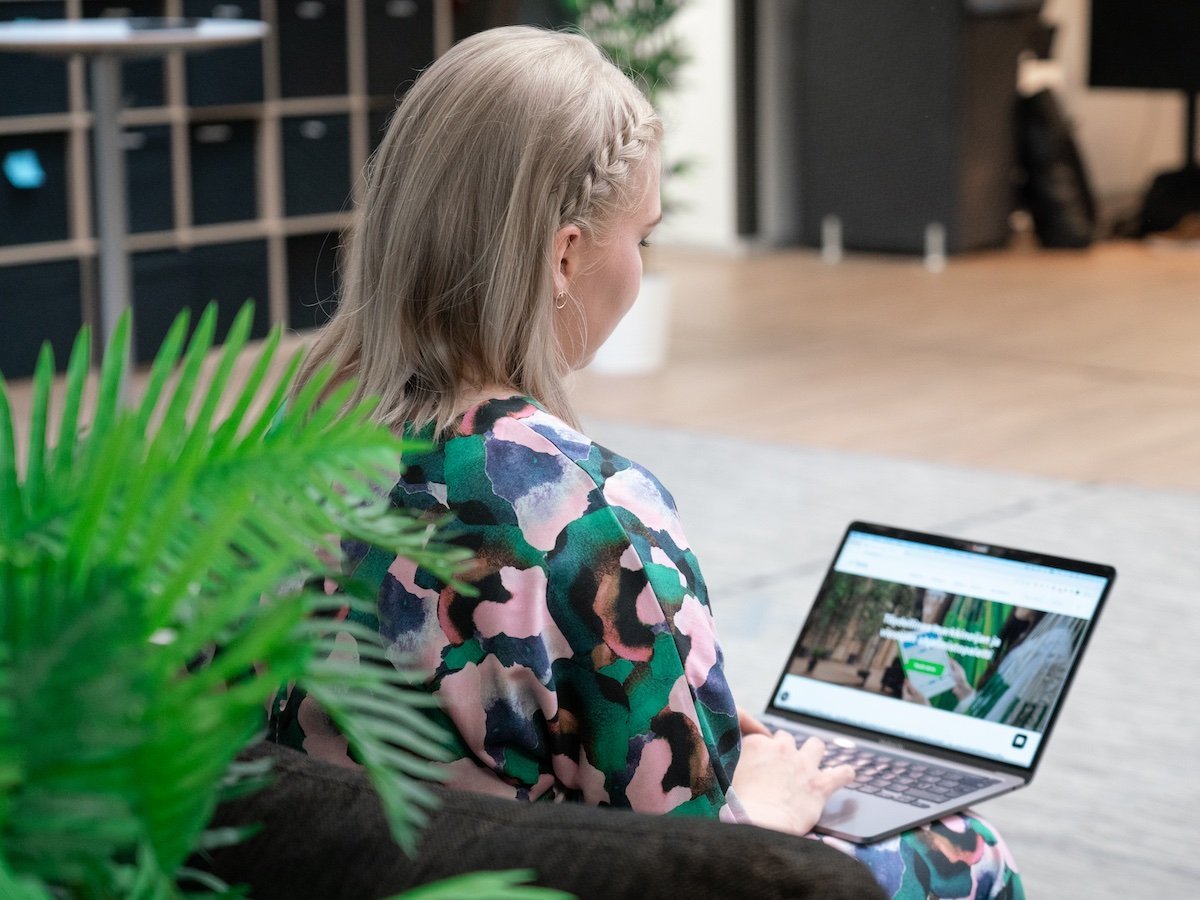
(1083, 365)
(1080, 365)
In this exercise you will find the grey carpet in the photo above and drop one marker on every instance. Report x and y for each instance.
(1114, 811)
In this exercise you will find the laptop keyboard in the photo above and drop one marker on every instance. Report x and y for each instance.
(902, 779)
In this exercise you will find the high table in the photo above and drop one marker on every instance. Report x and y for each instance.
(106, 42)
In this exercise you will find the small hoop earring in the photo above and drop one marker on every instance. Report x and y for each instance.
(560, 300)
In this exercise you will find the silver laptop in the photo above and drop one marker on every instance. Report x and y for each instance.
(936, 667)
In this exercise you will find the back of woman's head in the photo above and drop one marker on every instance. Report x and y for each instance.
(447, 273)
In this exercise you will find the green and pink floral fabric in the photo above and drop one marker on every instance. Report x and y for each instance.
(587, 666)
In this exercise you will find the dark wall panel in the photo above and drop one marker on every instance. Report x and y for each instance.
(316, 164)
(878, 128)
(38, 303)
(148, 178)
(43, 80)
(142, 80)
(312, 47)
(224, 172)
(229, 75)
(33, 188)
(908, 119)
(312, 279)
(399, 44)
(168, 281)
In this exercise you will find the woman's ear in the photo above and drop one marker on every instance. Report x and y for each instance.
(566, 256)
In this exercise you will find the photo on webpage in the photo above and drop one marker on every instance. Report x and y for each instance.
(980, 658)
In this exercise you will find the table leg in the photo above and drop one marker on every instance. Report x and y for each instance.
(111, 213)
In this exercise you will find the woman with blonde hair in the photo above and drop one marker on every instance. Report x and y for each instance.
(496, 247)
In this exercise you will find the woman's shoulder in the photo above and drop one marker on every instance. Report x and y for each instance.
(521, 426)
(512, 451)
(524, 421)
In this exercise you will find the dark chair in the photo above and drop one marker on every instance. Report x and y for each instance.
(325, 836)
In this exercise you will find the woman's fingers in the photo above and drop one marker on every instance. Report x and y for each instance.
(828, 781)
(825, 781)
(812, 750)
(783, 786)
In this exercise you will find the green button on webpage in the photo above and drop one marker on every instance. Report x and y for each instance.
(924, 666)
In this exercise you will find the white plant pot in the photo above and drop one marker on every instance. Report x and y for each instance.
(639, 343)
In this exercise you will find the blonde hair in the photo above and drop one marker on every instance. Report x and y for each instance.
(447, 272)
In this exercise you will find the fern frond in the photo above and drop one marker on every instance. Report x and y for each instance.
(143, 569)
(214, 391)
(113, 374)
(10, 489)
(173, 429)
(510, 885)
(77, 369)
(233, 422)
(164, 364)
(18, 887)
(39, 417)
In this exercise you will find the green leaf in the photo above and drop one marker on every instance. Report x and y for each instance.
(10, 491)
(16, 887)
(509, 885)
(174, 423)
(39, 417)
(77, 370)
(160, 371)
(112, 377)
(235, 341)
(232, 425)
(144, 602)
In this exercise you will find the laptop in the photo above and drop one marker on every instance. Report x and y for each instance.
(936, 667)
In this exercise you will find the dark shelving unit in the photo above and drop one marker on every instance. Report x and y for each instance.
(242, 163)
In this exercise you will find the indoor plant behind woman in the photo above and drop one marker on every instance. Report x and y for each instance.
(642, 41)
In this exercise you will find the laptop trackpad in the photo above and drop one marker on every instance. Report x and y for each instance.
(860, 817)
(842, 807)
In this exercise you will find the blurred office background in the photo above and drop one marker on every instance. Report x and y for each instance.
(889, 129)
(910, 278)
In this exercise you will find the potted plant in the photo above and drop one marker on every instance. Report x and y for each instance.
(638, 37)
(153, 563)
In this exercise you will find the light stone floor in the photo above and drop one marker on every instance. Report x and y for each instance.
(1112, 812)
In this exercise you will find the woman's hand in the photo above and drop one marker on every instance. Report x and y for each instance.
(783, 786)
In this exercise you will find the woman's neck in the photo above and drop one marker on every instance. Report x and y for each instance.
(476, 396)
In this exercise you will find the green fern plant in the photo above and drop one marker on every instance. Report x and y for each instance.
(639, 37)
(139, 540)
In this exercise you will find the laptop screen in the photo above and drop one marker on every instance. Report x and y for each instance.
(964, 646)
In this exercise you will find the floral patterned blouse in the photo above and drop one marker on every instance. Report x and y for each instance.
(587, 668)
